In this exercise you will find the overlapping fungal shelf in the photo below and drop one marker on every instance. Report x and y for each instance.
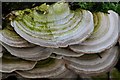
(59, 27)
(53, 41)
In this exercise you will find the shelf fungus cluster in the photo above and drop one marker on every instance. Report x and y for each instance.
(53, 41)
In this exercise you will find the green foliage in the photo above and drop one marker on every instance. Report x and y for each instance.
(86, 5)
(97, 6)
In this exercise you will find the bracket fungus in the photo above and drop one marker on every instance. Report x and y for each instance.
(55, 41)
(56, 28)
(65, 52)
(91, 64)
(10, 37)
(104, 36)
(29, 53)
(45, 68)
(11, 63)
